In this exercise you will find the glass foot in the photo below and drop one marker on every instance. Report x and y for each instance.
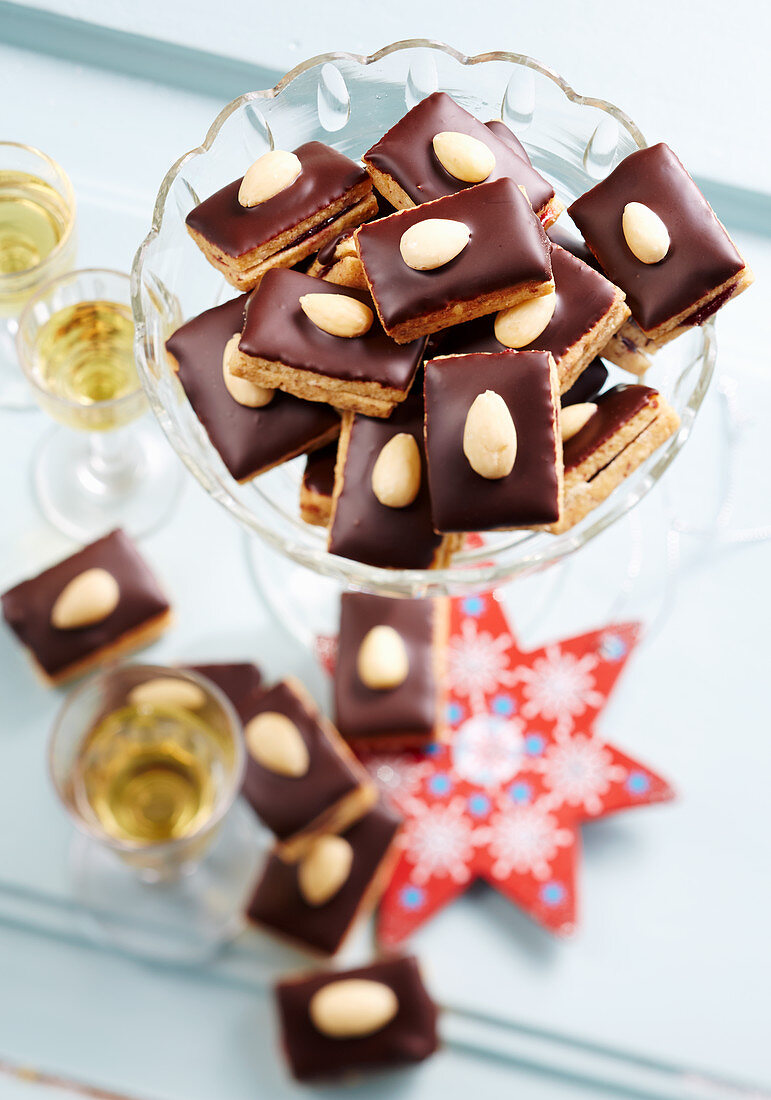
(185, 920)
(87, 485)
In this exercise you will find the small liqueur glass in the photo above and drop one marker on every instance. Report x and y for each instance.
(37, 243)
(114, 469)
(161, 771)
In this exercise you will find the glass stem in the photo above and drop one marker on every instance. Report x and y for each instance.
(114, 462)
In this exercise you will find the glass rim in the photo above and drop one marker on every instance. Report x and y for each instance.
(225, 800)
(470, 570)
(68, 194)
(25, 360)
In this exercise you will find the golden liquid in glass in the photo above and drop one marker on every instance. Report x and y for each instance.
(33, 219)
(85, 353)
(150, 774)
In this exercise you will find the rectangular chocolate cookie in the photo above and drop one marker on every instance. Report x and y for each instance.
(281, 347)
(301, 778)
(578, 320)
(692, 271)
(505, 261)
(318, 485)
(516, 388)
(290, 898)
(105, 601)
(390, 716)
(316, 1048)
(249, 440)
(330, 194)
(407, 170)
(619, 430)
(364, 528)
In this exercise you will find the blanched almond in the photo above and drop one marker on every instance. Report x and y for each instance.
(167, 691)
(396, 473)
(87, 599)
(574, 417)
(520, 325)
(241, 389)
(269, 175)
(433, 242)
(337, 314)
(275, 742)
(645, 233)
(324, 868)
(352, 1007)
(382, 662)
(464, 157)
(489, 436)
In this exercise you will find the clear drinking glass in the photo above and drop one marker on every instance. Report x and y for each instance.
(75, 344)
(37, 242)
(125, 772)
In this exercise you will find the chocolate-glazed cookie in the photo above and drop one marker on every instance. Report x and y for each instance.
(279, 905)
(405, 157)
(406, 716)
(462, 499)
(501, 130)
(587, 385)
(615, 407)
(141, 613)
(410, 1036)
(318, 485)
(248, 440)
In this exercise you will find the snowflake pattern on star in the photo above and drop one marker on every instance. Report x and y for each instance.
(438, 840)
(487, 749)
(478, 662)
(397, 774)
(524, 839)
(559, 687)
(579, 770)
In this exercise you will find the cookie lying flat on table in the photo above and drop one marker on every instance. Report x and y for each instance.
(381, 511)
(438, 148)
(573, 323)
(656, 236)
(287, 206)
(318, 485)
(390, 670)
(317, 900)
(376, 1016)
(249, 439)
(100, 603)
(301, 778)
(323, 343)
(454, 259)
(492, 441)
(605, 441)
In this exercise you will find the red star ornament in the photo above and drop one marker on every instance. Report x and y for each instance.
(522, 768)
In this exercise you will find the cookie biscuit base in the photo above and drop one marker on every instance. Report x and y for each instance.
(577, 358)
(315, 507)
(592, 482)
(143, 635)
(345, 268)
(244, 272)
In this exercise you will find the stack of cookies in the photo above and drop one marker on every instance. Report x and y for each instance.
(420, 327)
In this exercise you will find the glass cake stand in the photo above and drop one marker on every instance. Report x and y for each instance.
(348, 102)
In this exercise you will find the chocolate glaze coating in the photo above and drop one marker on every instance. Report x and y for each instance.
(325, 178)
(461, 500)
(587, 385)
(326, 255)
(277, 329)
(278, 903)
(501, 130)
(410, 708)
(288, 804)
(319, 475)
(508, 247)
(366, 530)
(410, 1037)
(583, 297)
(27, 607)
(573, 244)
(614, 408)
(248, 440)
(701, 255)
(406, 153)
(241, 682)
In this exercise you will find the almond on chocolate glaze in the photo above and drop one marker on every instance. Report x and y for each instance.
(353, 1007)
(87, 599)
(645, 233)
(489, 436)
(275, 742)
(337, 314)
(272, 173)
(466, 158)
(396, 473)
(433, 242)
(520, 325)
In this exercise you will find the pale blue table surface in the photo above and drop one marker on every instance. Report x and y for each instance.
(671, 958)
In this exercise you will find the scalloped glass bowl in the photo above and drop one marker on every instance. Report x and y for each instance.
(349, 102)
